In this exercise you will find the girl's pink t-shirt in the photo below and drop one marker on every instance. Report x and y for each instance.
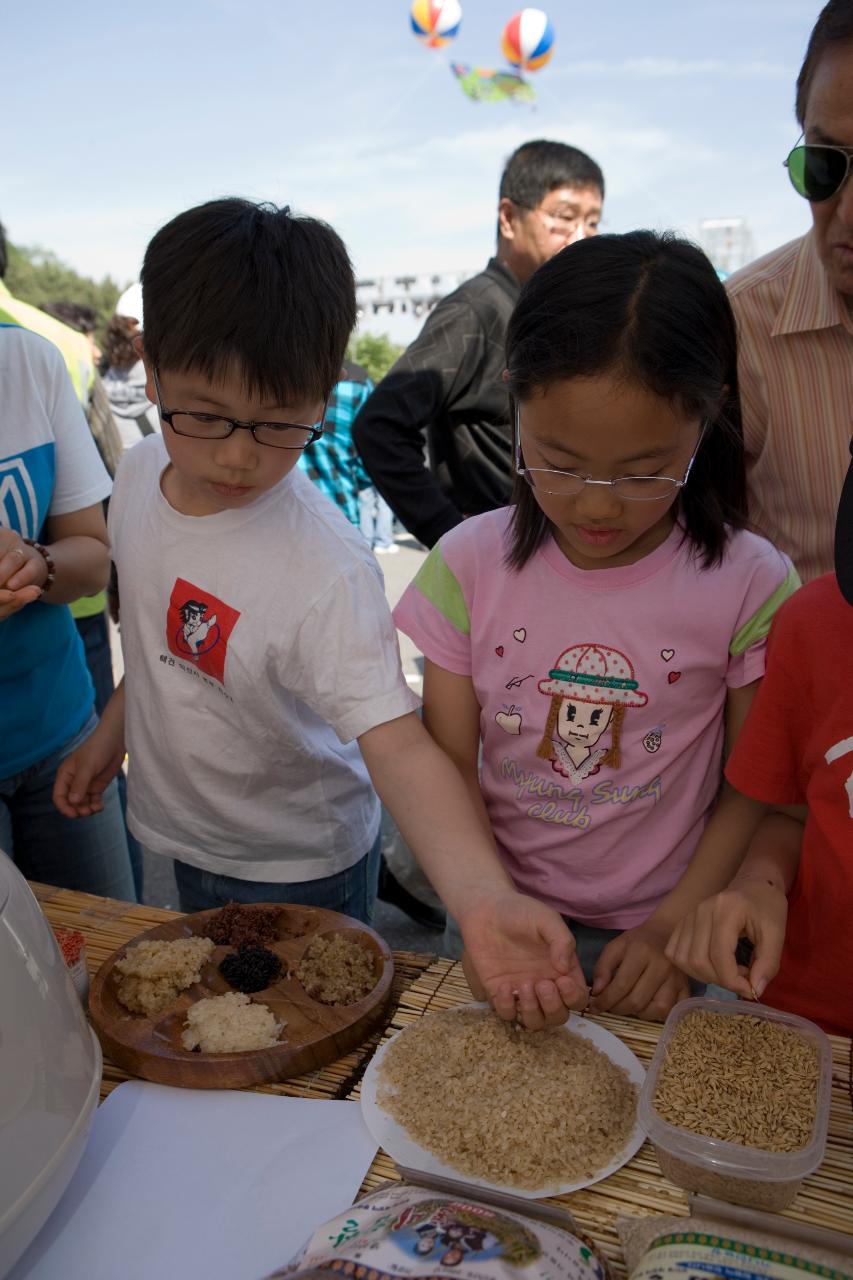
(602, 696)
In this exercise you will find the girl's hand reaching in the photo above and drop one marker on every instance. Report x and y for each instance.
(521, 957)
(704, 943)
(633, 976)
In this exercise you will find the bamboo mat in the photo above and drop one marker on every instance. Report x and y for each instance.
(107, 924)
(639, 1188)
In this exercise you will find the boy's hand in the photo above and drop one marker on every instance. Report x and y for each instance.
(703, 944)
(633, 976)
(83, 776)
(515, 944)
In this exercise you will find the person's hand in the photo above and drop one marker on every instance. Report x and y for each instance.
(521, 956)
(83, 776)
(704, 943)
(23, 572)
(633, 976)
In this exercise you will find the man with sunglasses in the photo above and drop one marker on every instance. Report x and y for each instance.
(795, 318)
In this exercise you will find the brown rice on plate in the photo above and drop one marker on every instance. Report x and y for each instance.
(523, 1108)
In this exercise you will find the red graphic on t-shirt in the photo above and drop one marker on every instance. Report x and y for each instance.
(198, 627)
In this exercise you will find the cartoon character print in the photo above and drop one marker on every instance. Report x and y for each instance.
(199, 633)
(590, 687)
(199, 627)
(448, 1232)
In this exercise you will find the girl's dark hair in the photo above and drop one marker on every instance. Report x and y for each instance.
(651, 308)
(232, 282)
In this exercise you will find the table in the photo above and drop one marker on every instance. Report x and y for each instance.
(424, 984)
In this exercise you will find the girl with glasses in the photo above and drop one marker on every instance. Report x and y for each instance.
(597, 644)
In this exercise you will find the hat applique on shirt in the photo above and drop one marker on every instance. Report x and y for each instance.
(591, 686)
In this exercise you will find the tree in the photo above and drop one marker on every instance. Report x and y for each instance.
(38, 276)
(374, 352)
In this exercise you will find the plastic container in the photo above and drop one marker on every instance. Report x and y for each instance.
(726, 1170)
(50, 1069)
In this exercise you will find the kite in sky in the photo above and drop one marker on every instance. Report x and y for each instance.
(482, 85)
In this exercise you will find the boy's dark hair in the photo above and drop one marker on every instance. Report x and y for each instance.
(834, 26)
(4, 252)
(234, 283)
(75, 314)
(650, 307)
(535, 168)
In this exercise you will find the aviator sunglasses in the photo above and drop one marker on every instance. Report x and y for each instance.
(818, 172)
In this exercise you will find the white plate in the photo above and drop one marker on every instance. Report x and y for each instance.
(403, 1149)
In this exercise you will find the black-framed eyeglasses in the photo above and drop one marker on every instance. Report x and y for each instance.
(212, 426)
(818, 171)
(568, 484)
(569, 227)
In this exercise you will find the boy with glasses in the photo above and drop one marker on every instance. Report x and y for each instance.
(794, 309)
(263, 691)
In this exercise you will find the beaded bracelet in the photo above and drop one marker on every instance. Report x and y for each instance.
(51, 567)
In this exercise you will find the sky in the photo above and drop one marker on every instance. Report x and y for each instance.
(118, 116)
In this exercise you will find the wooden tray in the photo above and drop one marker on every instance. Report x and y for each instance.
(315, 1034)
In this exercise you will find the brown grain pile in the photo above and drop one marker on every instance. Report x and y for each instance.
(524, 1108)
(153, 972)
(337, 970)
(237, 925)
(740, 1079)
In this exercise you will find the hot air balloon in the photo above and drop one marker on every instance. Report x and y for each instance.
(528, 40)
(436, 22)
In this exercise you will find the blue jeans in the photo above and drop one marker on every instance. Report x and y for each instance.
(95, 634)
(375, 518)
(87, 854)
(590, 941)
(352, 892)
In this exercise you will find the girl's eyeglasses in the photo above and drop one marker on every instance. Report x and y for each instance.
(818, 172)
(568, 484)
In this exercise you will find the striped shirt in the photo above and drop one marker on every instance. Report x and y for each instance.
(795, 368)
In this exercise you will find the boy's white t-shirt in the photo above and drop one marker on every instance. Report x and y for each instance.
(258, 645)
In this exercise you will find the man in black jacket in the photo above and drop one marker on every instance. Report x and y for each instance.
(445, 396)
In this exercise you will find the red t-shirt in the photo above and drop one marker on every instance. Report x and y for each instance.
(797, 748)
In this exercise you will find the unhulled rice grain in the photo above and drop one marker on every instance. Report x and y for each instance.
(522, 1108)
(740, 1079)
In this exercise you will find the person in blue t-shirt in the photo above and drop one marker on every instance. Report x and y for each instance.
(53, 549)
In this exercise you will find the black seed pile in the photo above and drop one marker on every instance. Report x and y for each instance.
(250, 968)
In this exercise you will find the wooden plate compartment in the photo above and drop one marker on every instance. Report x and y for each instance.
(315, 1034)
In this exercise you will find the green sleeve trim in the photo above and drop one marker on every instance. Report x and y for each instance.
(759, 624)
(437, 583)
